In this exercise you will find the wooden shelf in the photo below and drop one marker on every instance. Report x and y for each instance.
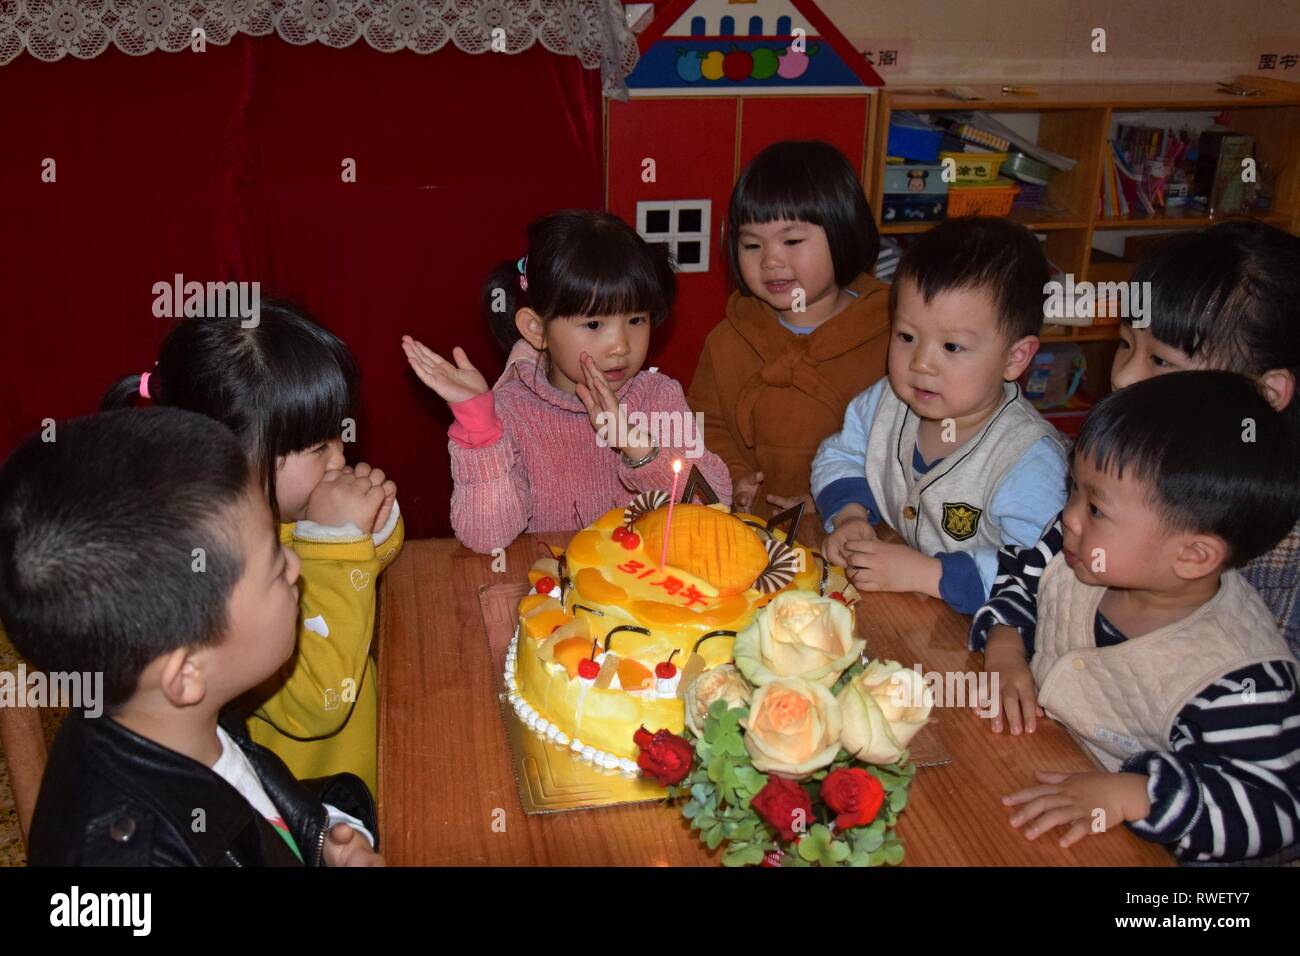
(1075, 121)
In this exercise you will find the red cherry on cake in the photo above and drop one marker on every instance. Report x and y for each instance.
(620, 533)
(666, 670)
(631, 541)
(545, 585)
(588, 669)
(839, 596)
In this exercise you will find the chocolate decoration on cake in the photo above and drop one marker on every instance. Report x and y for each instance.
(697, 482)
(583, 607)
(624, 627)
(782, 565)
(712, 634)
(826, 572)
(643, 504)
(793, 515)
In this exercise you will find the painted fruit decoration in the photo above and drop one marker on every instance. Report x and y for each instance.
(711, 65)
(766, 62)
(794, 64)
(688, 65)
(737, 65)
(762, 63)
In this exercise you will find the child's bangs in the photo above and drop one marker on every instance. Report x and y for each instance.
(771, 195)
(308, 401)
(608, 277)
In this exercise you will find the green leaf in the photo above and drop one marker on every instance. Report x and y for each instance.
(894, 854)
(898, 800)
(838, 851)
(700, 793)
(743, 854)
(692, 809)
(876, 857)
(808, 849)
(713, 837)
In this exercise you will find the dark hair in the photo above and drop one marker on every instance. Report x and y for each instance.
(581, 262)
(1184, 435)
(1000, 257)
(282, 385)
(806, 182)
(97, 531)
(1230, 294)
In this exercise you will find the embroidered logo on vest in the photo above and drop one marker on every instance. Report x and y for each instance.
(960, 520)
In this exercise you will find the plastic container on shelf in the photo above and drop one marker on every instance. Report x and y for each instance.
(1054, 376)
(994, 199)
(913, 178)
(910, 137)
(975, 168)
(1026, 169)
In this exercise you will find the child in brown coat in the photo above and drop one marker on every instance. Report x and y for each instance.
(806, 330)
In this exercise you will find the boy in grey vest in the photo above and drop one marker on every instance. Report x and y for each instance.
(946, 450)
(1148, 647)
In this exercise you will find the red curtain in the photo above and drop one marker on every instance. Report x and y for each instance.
(228, 164)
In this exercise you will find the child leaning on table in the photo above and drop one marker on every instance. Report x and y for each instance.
(558, 441)
(98, 532)
(946, 450)
(1223, 297)
(286, 387)
(1148, 646)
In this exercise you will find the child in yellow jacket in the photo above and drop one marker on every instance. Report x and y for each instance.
(288, 389)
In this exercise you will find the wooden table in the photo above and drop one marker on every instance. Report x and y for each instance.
(447, 796)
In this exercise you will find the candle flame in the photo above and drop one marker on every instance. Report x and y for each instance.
(677, 466)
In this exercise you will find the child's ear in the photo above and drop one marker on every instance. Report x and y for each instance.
(531, 327)
(1019, 356)
(1200, 555)
(1278, 387)
(181, 678)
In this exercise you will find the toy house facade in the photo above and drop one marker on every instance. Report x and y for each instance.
(717, 81)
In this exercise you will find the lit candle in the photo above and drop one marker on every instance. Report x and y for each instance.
(672, 500)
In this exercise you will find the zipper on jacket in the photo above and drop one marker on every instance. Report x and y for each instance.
(319, 856)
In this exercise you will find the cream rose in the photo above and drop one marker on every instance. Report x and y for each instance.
(883, 708)
(798, 634)
(720, 683)
(793, 728)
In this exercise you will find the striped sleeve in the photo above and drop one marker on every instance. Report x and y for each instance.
(1013, 599)
(1229, 788)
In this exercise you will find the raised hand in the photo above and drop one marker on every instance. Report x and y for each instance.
(605, 411)
(454, 383)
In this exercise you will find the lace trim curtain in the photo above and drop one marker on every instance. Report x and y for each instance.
(592, 30)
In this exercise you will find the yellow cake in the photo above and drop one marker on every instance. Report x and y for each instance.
(610, 638)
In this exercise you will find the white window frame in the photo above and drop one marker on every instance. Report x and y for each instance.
(675, 235)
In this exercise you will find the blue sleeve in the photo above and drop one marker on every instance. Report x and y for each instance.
(1030, 495)
(847, 491)
(844, 454)
(960, 583)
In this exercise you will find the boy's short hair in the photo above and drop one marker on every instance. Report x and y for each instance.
(808, 181)
(98, 531)
(1218, 458)
(1000, 257)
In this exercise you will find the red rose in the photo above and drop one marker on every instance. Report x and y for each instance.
(854, 794)
(664, 756)
(785, 805)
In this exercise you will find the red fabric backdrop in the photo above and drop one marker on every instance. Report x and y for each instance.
(227, 164)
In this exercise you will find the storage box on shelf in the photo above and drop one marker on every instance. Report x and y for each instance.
(1076, 120)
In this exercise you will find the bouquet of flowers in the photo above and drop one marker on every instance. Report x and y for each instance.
(796, 754)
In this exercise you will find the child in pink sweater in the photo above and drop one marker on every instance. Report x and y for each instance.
(573, 427)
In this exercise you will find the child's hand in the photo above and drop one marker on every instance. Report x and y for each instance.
(1014, 694)
(1081, 801)
(606, 413)
(745, 490)
(344, 497)
(377, 477)
(344, 846)
(875, 565)
(851, 524)
(455, 383)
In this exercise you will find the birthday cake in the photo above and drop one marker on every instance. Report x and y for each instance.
(640, 603)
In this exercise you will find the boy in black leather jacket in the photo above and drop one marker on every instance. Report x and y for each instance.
(137, 545)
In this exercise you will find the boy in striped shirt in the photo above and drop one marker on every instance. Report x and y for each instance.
(1149, 647)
